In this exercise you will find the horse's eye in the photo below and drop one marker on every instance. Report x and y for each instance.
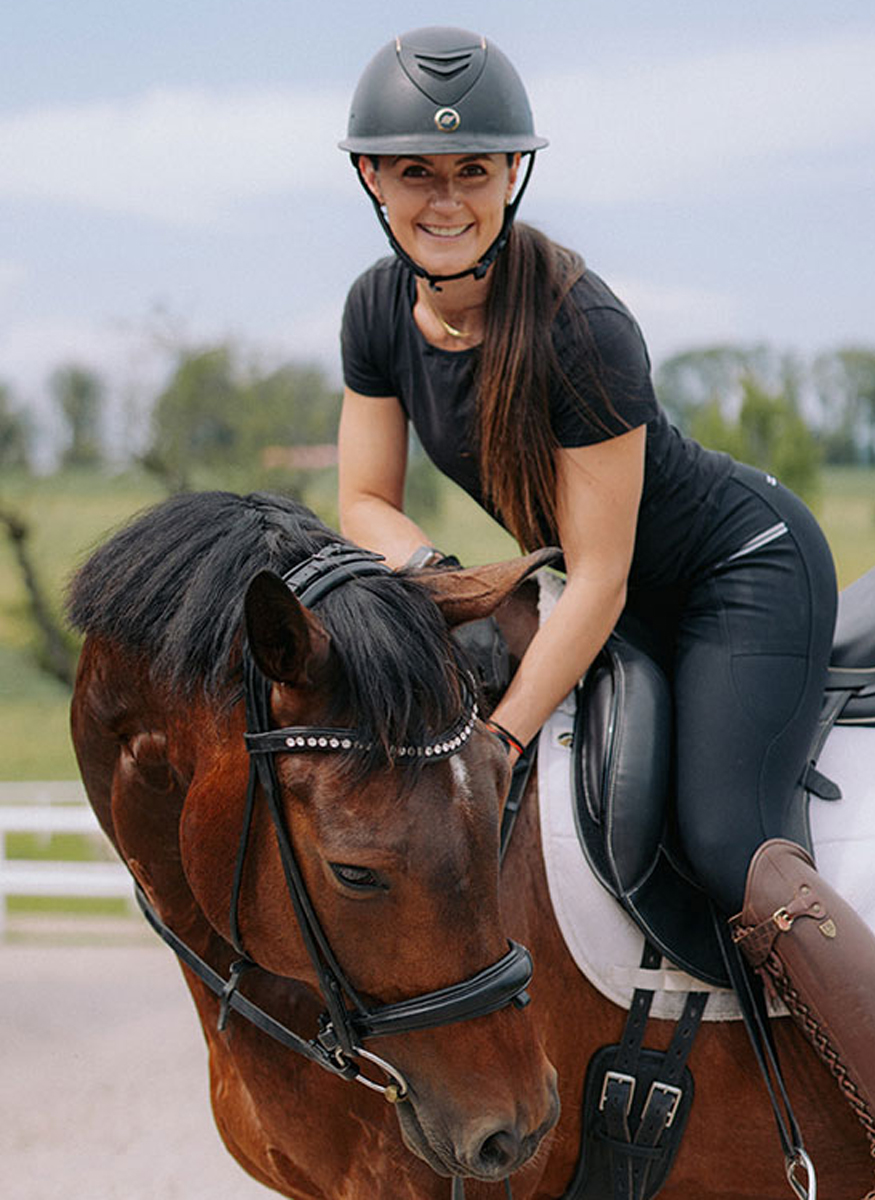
(361, 879)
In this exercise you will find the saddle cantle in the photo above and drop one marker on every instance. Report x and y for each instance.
(623, 781)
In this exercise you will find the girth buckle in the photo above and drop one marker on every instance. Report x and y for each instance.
(624, 1081)
(665, 1089)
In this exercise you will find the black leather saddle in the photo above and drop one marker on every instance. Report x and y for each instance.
(623, 781)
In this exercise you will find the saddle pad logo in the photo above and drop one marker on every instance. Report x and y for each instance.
(447, 120)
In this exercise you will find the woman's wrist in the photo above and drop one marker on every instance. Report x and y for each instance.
(511, 743)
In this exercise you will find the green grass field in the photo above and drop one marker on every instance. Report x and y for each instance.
(71, 513)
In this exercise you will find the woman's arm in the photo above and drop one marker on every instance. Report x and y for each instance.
(598, 493)
(372, 454)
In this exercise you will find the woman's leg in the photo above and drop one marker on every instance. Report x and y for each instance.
(751, 658)
(752, 652)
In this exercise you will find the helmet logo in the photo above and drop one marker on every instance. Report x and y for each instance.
(447, 120)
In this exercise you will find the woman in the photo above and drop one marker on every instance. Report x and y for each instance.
(528, 383)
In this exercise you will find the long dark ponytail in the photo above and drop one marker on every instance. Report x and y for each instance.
(518, 362)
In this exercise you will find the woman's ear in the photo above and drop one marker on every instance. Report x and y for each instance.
(371, 176)
(513, 171)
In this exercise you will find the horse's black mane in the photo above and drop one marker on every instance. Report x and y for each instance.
(171, 587)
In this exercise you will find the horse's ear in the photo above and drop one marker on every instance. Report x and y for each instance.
(475, 592)
(289, 644)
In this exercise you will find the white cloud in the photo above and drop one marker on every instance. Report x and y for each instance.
(181, 156)
(654, 130)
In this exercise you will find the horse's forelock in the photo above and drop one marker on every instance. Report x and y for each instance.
(399, 663)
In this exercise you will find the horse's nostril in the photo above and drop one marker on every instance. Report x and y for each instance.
(499, 1150)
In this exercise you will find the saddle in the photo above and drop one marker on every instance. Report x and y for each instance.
(623, 781)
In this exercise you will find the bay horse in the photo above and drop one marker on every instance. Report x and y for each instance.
(340, 883)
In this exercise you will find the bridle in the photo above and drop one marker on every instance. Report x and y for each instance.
(347, 1020)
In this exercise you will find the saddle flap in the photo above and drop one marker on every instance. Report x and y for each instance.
(623, 791)
(622, 747)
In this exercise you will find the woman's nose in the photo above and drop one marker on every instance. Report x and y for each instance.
(444, 194)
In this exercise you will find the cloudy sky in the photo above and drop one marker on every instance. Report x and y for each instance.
(169, 169)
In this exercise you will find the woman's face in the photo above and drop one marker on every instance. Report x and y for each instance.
(444, 209)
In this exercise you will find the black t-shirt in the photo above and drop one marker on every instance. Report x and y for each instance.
(385, 354)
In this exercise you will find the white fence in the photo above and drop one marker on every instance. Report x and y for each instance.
(46, 809)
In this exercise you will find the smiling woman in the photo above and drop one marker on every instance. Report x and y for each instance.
(445, 211)
(528, 383)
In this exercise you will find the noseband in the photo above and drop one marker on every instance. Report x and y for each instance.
(346, 1020)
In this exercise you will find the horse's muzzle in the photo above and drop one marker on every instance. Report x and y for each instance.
(490, 1145)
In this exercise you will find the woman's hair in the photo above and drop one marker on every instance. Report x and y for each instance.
(518, 364)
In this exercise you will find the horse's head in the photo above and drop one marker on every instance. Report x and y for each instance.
(397, 852)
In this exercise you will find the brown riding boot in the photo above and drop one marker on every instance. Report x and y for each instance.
(819, 956)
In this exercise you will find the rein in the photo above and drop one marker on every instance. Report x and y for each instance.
(347, 1020)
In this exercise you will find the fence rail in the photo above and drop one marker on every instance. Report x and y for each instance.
(47, 809)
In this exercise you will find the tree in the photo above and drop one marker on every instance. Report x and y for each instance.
(55, 651)
(14, 434)
(714, 375)
(769, 433)
(219, 416)
(193, 419)
(79, 394)
(845, 384)
(745, 400)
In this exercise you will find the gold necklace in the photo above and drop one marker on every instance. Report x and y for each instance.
(450, 329)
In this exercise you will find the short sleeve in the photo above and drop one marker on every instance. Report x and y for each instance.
(603, 388)
(364, 341)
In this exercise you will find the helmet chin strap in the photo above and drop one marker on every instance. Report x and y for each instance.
(483, 264)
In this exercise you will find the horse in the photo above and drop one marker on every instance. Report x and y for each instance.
(281, 739)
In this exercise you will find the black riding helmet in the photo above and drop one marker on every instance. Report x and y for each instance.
(442, 91)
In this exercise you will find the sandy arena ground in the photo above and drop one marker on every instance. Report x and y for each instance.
(103, 1079)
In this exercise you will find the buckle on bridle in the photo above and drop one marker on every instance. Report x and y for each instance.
(393, 1092)
(342, 1061)
(238, 969)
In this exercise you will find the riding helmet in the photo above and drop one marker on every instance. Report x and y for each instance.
(441, 90)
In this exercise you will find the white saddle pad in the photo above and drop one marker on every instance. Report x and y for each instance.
(604, 942)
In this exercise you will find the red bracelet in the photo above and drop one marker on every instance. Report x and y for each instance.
(504, 735)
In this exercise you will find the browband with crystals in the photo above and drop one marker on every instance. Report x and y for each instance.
(297, 738)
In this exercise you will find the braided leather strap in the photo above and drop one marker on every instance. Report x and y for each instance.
(773, 969)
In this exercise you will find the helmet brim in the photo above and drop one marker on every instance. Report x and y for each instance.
(441, 143)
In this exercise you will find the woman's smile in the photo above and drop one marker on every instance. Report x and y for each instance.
(446, 231)
(444, 209)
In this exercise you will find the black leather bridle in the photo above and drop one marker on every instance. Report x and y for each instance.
(347, 1019)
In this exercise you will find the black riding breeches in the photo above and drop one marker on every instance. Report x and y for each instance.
(751, 644)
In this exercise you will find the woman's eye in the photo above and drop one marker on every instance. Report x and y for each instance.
(358, 878)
